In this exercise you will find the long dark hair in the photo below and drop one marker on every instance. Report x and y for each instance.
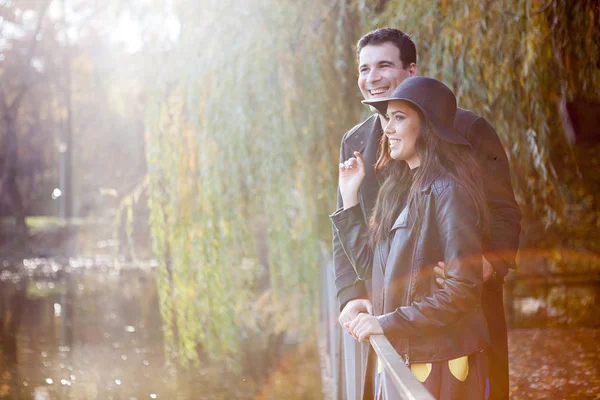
(436, 156)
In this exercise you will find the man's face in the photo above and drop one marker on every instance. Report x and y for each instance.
(380, 70)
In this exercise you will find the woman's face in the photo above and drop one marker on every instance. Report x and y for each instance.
(402, 129)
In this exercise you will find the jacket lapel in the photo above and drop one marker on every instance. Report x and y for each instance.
(402, 220)
(357, 140)
(365, 139)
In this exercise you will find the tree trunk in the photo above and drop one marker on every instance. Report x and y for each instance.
(9, 173)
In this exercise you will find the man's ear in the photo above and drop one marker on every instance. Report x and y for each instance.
(412, 69)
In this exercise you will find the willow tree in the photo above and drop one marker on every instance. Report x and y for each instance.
(243, 135)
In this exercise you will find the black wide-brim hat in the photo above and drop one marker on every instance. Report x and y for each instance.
(435, 100)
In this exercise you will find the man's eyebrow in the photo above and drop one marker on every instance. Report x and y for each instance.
(378, 63)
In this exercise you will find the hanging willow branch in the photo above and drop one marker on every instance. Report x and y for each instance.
(242, 161)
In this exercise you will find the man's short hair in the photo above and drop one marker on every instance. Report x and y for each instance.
(408, 51)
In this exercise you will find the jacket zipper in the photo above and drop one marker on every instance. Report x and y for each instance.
(381, 261)
(409, 295)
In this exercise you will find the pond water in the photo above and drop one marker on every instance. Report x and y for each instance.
(82, 329)
(90, 328)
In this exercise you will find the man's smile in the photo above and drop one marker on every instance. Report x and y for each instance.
(378, 91)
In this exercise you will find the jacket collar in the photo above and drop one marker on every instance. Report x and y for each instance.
(430, 183)
(402, 220)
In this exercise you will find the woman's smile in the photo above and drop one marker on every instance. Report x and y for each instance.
(394, 142)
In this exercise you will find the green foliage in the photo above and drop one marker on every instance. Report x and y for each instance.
(242, 159)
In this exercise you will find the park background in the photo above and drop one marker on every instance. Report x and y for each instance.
(168, 168)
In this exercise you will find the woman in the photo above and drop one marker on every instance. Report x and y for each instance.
(430, 207)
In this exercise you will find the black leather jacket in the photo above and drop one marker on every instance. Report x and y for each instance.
(424, 322)
(500, 246)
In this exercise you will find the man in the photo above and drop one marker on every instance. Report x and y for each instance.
(386, 57)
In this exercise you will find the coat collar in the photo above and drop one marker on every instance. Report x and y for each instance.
(357, 138)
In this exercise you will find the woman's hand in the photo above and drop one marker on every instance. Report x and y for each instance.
(353, 308)
(363, 326)
(352, 174)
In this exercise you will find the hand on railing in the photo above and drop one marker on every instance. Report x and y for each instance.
(363, 326)
(353, 308)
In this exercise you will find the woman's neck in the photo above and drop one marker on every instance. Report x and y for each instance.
(413, 163)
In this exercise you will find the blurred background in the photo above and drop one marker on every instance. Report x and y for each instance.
(168, 167)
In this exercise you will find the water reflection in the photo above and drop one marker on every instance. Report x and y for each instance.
(80, 329)
(85, 329)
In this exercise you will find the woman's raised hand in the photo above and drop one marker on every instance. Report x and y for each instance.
(352, 174)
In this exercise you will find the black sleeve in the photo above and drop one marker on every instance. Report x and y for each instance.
(502, 242)
(348, 285)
